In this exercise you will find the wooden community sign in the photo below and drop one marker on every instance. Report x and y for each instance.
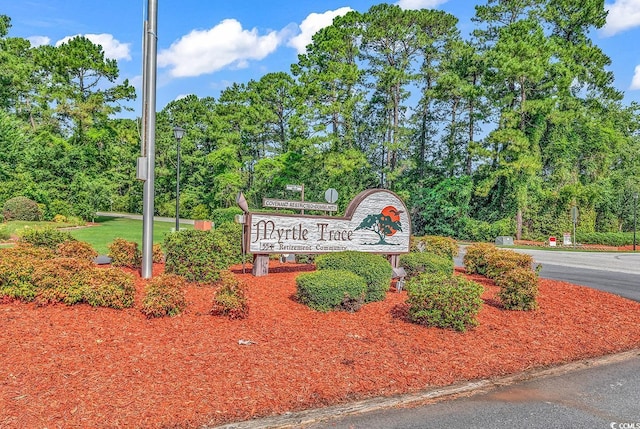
(376, 221)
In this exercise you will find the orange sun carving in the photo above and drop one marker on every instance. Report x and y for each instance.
(394, 216)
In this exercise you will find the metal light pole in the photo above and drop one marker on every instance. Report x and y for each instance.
(146, 163)
(635, 204)
(178, 133)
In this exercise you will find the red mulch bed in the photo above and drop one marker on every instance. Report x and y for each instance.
(90, 367)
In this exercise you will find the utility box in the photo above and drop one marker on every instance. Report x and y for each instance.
(504, 240)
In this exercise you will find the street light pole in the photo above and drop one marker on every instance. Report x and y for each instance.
(148, 152)
(635, 204)
(178, 133)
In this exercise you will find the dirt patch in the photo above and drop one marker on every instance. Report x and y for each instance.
(87, 367)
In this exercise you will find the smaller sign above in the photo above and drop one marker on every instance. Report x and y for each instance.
(298, 205)
(331, 195)
(296, 188)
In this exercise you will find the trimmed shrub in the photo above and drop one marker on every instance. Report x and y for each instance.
(61, 280)
(226, 215)
(59, 208)
(444, 302)
(16, 270)
(475, 258)
(157, 255)
(228, 236)
(76, 249)
(331, 290)
(197, 255)
(59, 218)
(165, 296)
(305, 258)
(230, 299)
(503, 261)
(50, 238)
(4, 233)
(125, 253)
(375, 270)
(441, 246)
(21, 208)
(110, 287)
(518, 289)
(415, 263)
(28, 273)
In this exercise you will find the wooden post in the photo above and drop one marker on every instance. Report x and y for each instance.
(394, 260)
(260, 265)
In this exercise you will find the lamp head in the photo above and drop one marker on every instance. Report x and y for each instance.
(241, 201)
(178, 132)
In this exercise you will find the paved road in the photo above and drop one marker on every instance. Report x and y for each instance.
(613, 272)
(598, 397)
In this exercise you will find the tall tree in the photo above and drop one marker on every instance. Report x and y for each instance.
(79, 84)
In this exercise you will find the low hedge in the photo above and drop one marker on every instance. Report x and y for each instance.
(415, 263)
(476, 257)
(21, 208)
(199, 256)
(605, 238)
(445, 302)
(503, 261)
(442, 246)
(110, 287)
(375, 270)
(330, 289)
(230, 299)
(50, 238)
(125, 253)
(165, 296)
(518, 289)
(76, 249)
(30, 273)
(16, 270)
(61, 280)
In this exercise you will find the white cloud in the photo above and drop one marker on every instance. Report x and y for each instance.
(38, 40)
(419, 4)
(623, 15)
(635, 82)
(226, 44)
(312, 24)
(112, 48)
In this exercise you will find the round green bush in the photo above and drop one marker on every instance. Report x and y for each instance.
(199, 256)
(476, 257)
(518, 289)
(375, 270)
(422, 262)
(21, 208)
(225, 215)
(331, 290)
(50, 238)
(445, 302)
(442, 246)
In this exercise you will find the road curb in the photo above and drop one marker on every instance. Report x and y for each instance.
(307, 417)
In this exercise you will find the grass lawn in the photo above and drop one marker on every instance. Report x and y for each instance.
(109, 228)
(102, 234)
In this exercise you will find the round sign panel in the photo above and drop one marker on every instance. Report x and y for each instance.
(331, 195)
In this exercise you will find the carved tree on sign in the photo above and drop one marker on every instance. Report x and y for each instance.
(383, 225)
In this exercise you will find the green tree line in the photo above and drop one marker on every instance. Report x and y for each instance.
(498, 132)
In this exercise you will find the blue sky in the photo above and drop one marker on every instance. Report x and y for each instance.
(204, 45)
